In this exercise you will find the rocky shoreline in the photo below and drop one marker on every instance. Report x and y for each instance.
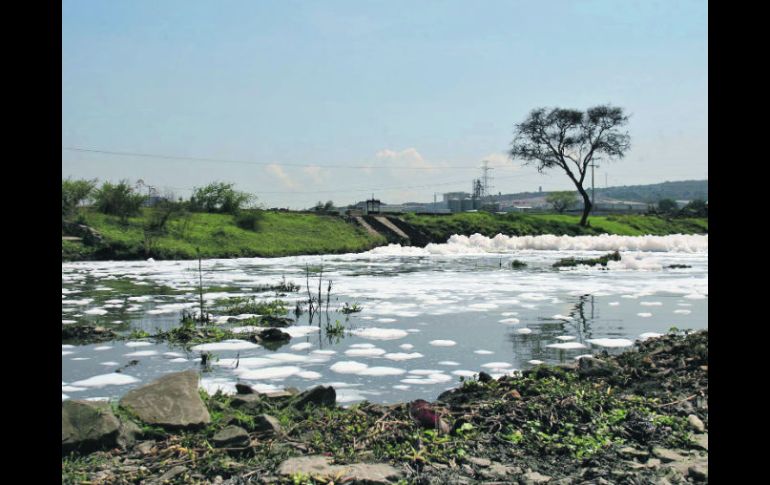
(639, 417)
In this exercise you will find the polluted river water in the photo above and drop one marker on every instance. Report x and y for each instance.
(431, 316)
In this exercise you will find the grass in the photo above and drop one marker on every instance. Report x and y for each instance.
(439, 228)
(217, 235)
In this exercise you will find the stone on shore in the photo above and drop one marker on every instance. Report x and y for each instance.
(696, 424)
(172, 401)
(231, 437)
(317, 396)
(88, 426)
(264, 423)
(320, 468)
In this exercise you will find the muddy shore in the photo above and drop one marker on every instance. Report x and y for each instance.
(639, 417)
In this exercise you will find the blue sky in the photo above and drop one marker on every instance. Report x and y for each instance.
(391, 83)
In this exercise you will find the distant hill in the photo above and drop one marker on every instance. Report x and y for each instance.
(682, 190)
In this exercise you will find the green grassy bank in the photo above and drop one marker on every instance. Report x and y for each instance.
(218, 236)
(431, 228)
(290, 233)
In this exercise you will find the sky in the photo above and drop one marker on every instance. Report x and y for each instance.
(301, 101)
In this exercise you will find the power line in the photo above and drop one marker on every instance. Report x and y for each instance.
(246, 162)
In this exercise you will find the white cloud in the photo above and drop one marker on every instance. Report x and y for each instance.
(277, 171)
(407, 157)
(316, 174)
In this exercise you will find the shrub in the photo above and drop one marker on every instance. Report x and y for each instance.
(118, 200)
(218, 197)
(249, 220)
(73, 192)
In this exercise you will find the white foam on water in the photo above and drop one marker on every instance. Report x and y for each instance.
(582, 356)
(684, 304)
(301, 346)
(376, 333)
(565, 338)
(348, 395)
(448, 362)
(278, 372)
(363, 346)
(510, 321)
(173, 354)
(614, 303)
(386, 320)
(112, 379)
(682, 312)
(401, 387)
(509, 314)
(138, 344)
(226, 345)
(109, 363)
(309, 374)
(179, 359)
(348, 367)
(413, 330)
(695, 296)
(483, 352)
(103, 347)
(442, 343)
(323, 352)
(68, 322)
(535, 362)
(66, 352)
(114, 302)
(561, 317)
(610, 342)
(375, 352)
(81, 358)
(651, 303)
(425, 372)
(142, 353)
(72, 388)
(629, 297)
(96, 311)
(644, 315)
(496, 365)
(67, 346)
(97, 398)
(483, 306)
(646, 335)
(214, 384)
(524, 331)
(382, 371)
(406, 346)
(399, 356)
(567, 346)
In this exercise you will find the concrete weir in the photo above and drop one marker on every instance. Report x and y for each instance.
(383, 226)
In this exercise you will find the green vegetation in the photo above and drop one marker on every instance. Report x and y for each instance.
(602, 260)
(74, 192)
(440, 228)
(561, 201)
(118, 200)
(218, 197)
(354, 308)
(218, 235)
(516, 264)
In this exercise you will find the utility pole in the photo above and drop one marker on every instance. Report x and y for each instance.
(593, 190)
(435, 209)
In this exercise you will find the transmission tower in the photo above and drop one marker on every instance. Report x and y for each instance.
(487, 178)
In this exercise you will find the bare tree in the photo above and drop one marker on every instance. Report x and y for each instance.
(571, 140)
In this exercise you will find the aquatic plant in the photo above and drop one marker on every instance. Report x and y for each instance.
(602, 260)
(354, 308)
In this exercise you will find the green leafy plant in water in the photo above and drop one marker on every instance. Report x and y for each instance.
(354, 308)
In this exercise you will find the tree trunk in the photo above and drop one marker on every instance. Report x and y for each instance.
(587, 206)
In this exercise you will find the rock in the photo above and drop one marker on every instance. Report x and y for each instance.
(532, 478)
(319, 467)
(244, 389)
(699, 473)
(273, 321)
(273, 335)
(145, 447)
(264, 423)
(231, 437)
(128, 433)
(702, 441)
(484, 377)
(317, 396)
(497, 470)
(177, 470)
(593, 367)
(172, 401)
(247, 402)
(87, 426)
(632, 453)
(482, 462)
(696, 424)
(667, 456)
(653, 463)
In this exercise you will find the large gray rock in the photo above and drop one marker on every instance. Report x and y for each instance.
(319, 467)
(172, 401)
(88, 426)
(593, 367)
(264, 423)
(696, 423)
